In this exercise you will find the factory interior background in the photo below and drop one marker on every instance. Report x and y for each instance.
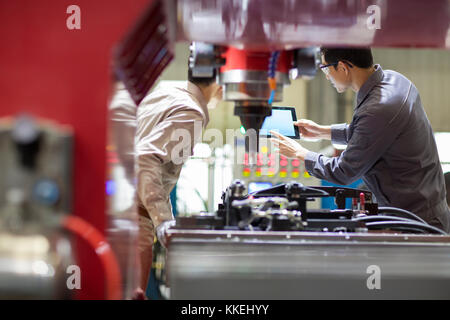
(428, 69)
(69, 220)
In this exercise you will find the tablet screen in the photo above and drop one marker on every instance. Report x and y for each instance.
(282, 119)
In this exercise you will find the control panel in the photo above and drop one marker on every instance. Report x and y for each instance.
(268, 168)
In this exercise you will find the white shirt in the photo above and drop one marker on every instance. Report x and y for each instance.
(168, 112)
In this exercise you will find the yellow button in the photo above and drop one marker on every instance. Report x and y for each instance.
(283, 174)
(306, 174)
(246, 173)
(264, 149)
(258, 173)
(295, 174)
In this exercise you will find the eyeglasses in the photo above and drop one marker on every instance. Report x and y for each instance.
(324, 67)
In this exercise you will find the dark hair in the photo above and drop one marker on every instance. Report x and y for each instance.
(201, 81)
(359, 57)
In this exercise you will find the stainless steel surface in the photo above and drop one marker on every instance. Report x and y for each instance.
(303, 265)
(283, 236)
(33, 265)
(251, 76)
(251, 85)
(286, 24)
(204, 58)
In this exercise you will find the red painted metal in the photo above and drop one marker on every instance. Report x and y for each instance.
(254, 60)
(64, 75)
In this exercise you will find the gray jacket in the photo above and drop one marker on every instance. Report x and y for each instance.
(391, 146)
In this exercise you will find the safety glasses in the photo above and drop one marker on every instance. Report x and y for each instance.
(324, 67)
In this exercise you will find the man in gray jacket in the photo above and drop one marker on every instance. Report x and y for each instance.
(390, 142)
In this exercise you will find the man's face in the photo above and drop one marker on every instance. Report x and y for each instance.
(218, 91)
(216, 95)
(337, 75)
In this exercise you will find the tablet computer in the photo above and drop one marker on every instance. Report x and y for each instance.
(282, 120)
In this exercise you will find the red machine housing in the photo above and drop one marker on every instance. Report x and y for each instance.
(237, 59)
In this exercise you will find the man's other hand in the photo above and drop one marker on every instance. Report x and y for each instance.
(311, 130)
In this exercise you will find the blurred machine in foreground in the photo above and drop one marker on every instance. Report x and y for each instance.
(35, 195)
(38, 232)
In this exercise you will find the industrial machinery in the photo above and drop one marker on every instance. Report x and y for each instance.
(284, 208)
(38, 234)
(35, 195)
(269, 245)
(64, 74)
(253, 80)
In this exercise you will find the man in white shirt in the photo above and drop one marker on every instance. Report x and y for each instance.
(169, 110)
